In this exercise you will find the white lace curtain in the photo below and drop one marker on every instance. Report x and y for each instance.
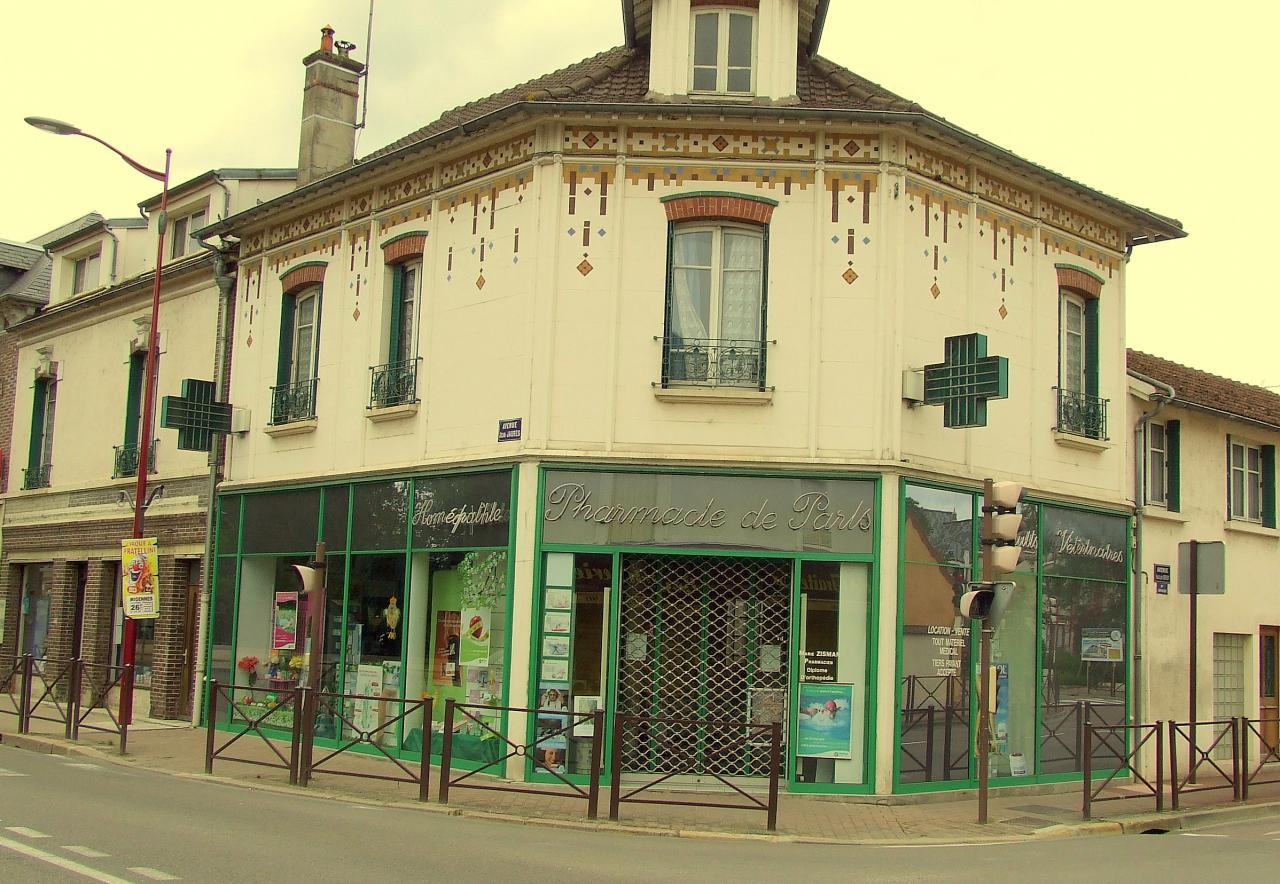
(741, 257)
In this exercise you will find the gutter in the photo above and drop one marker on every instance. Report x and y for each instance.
(1171, 228)
(1164, 395)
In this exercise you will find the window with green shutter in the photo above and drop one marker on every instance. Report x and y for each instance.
(1173, 466)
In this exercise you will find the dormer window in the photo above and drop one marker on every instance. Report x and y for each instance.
(723, 52)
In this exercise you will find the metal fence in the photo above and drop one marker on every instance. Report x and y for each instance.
(1265, 731)
(334, 705)
(100, 679)
(1143, 735)
(1201, 760)
(52, 690)
(668, 740)
(254, 716)
(590, 794)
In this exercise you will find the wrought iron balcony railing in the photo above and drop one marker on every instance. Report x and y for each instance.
(127, 460)
(36, 477)
(711, 362)
(395, 383)
(1081, 414)
(291, 403)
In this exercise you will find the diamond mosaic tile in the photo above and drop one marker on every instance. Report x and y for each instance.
(849, 276)
(585, 267)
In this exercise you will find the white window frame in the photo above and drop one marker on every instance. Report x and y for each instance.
(1157, 463)
(1077, 384)
(724, 15)
(296, 375)
(718, 270)
(408, 297)
(186, 240)
(80, 272)
(1243, 508)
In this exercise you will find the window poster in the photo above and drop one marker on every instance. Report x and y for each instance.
(585, 727)
(555, 646)
(444, 664)
(1101, 645)
(557, 623)
(825, 721)
(559, 599)
(284, 631)
(368, 684)
(474, 645)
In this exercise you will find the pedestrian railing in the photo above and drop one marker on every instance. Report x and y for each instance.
(1201, 760)
(671, 740)
(275, 709)
(1143, 735)
(1062, 731)
(100, 680)
(13, 687)
(334, 705)
(1267, 771)
(52, 678)
(456, 714)
(912, 721)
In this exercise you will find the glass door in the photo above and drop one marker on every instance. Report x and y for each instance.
(1269, 693)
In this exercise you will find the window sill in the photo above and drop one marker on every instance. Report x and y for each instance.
(1160, 514)
(713, 395)
(1242, 527)
(1082, 443)
(391, 412)
(296, 428)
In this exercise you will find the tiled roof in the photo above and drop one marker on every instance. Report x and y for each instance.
(20, 256)
(621, 75)
(1195, 387)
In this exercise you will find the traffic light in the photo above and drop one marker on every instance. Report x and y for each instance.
(312, 579)
(1000, 525)
(986, 601)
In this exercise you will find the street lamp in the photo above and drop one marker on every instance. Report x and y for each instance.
(57, 127)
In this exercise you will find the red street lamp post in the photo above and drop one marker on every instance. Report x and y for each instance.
(57, 127)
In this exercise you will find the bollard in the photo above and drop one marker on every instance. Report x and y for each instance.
(446, 751)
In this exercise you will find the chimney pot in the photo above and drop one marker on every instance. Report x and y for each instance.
(326, 39)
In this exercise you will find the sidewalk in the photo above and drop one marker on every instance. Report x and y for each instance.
(810, 818)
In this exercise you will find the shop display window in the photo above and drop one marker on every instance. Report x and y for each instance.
(281, 521)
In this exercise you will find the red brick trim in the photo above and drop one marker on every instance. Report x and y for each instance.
(706, 207)
(311, 273)
(404, 248)
(1079, 280)
(737, 4)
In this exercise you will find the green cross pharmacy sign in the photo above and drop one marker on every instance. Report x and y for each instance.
(964, 381)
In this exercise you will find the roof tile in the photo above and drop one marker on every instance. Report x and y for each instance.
(1196, 387)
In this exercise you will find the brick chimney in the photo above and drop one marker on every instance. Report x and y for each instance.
(329, 98)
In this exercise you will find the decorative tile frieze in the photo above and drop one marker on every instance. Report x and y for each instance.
(783, 179)
(597, 140)
(720, 143)
(937, 166)
(489, 159)
(405, 189)
(1081, 224)
(1055, 244)
(322, 219)
(1002, 192)
(852, 147)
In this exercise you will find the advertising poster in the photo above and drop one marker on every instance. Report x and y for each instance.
(585, 706)
(284, 632)
(368, 684)
(1101, 645)
(1000, 721)
(825, 721)
(444, 665)
(474, 647)
(140, 578)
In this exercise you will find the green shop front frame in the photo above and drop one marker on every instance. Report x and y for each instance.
(696, 564)
(1073, 584)
(418, 526)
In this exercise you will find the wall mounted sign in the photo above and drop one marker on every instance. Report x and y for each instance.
(509, 429)
(661, 509)
(467, 509)
(195, 415)
(965, 379)
(1163, 576)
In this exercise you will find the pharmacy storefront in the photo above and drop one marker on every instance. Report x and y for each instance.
(1064, 642)
(731, 597)
(418, 600)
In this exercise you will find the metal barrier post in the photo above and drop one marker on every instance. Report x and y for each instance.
(1159, 766)
(1244, 758)
(24, 696)
(446, 751)
(1236, 738)
(424, 763)
(307, 735)
(1173, 763)
(1082, 713)
(73, 699)
(775, 763)
(126, 690)
(210, 723)
(593, 789)
(615, 767)
(295, 734)
(928, 747)
(1087, 765)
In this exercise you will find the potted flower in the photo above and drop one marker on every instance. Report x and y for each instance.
(249, 666)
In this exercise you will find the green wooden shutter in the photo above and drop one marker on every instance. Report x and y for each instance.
(288, 304)
(315, 340)
(36, 444)
(1173, 469)
(1269, 486)
(394, 353)
(1091, 368)
(666, 310)
(133, 397)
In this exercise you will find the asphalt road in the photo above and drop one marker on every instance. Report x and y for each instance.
(75, 819)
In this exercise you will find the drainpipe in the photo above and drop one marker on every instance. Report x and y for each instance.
(1164, 395)
(225, 279)
(115, 252)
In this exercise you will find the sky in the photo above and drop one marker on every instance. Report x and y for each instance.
(1128, 96)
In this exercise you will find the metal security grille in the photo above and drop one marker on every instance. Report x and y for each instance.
(703, 638)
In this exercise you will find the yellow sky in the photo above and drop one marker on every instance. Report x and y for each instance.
(1162, 104)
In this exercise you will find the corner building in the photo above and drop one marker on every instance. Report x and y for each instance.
(606, 391)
